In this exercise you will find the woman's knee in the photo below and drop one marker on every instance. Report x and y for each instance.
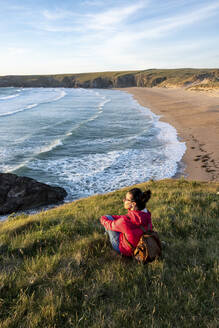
(109, 217)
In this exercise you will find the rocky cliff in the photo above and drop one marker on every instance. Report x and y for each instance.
(189, 78)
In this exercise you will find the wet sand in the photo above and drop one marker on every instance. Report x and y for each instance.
(195, 115)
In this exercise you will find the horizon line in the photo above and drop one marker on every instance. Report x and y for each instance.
(112, 71)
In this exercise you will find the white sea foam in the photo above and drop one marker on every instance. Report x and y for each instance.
(92, 118)
(172, 148)
(110, 161)
(45, 149)
(104, 172)
(103, 103)
(9, 97)
(60, 96)
(14, 167)
(33, 153)
(34, 96)
(18, 110)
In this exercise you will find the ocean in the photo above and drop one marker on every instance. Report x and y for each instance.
(87, 141)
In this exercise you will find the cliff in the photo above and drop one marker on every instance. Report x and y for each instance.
(188, 78)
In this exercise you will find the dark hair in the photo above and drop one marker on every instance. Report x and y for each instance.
(140, 198)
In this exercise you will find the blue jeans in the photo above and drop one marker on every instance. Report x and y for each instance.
(113, 236)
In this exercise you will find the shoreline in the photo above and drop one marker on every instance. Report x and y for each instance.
(195, 116)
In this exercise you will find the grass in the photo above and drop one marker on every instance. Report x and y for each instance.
(83, 77)
(186, 77)
(178, 77)
(57, 268)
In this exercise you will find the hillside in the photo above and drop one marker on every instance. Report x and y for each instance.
(194, 79)
(57, 268)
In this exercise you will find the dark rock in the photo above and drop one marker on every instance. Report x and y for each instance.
(202, 76)
(157, 81)
(68, 82)
(100, 82)
(22, 193)
(149, 80)
(124, 81)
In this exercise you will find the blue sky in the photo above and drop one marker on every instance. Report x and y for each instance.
(63, 36)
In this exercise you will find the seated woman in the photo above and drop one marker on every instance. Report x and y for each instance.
(127, 227)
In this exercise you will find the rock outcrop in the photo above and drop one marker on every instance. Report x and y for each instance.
(22, 193)
(125, 81)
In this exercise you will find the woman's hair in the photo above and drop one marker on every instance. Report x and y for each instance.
(140, 198)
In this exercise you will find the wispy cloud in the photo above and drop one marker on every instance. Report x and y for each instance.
(104, 20)
(57, 14)
(93, 3)
(189, 18)
(111, 18)
(58, 29)
(115, 34)
(154, 29)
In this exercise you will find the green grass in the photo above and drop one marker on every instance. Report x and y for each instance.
(57, 268)
(82, 77)
(186, 77)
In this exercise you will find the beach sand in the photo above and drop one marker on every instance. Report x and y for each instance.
(195, 115)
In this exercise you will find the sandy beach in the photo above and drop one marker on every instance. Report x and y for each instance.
(195, 115)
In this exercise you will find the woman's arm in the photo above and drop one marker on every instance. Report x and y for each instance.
(116, 225)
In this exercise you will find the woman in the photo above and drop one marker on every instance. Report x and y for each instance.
(127, 227)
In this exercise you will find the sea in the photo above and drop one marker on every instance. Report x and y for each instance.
(88, 141)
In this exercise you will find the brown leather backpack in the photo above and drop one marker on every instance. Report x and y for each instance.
(148, 247)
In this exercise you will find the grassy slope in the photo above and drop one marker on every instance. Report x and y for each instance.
(82, 77)
(58, 269)
(174, 77)
(183, 77)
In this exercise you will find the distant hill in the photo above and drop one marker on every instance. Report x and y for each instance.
(189, 78)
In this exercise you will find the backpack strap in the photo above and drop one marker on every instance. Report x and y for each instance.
(143, 228)
(144, 231)
(128, 242)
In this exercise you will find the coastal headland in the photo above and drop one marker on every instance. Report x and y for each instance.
(195, 115)
(190, 78)
(186, 98)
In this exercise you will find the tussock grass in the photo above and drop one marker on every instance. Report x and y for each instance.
(57, 268)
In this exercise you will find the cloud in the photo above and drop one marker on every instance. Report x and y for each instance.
(57, 29)
(86, 23)
(58, 20)
(109, 35)
(56, 14)
(111, 18)
(154, 28)
(140, 47)
(184, 20)
(93, 3)
(117, 34)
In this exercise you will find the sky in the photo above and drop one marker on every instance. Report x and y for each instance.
(76, 36)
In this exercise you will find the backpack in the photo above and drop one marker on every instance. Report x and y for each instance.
(148, 247)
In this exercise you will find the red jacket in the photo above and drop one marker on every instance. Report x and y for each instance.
(128, 225)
